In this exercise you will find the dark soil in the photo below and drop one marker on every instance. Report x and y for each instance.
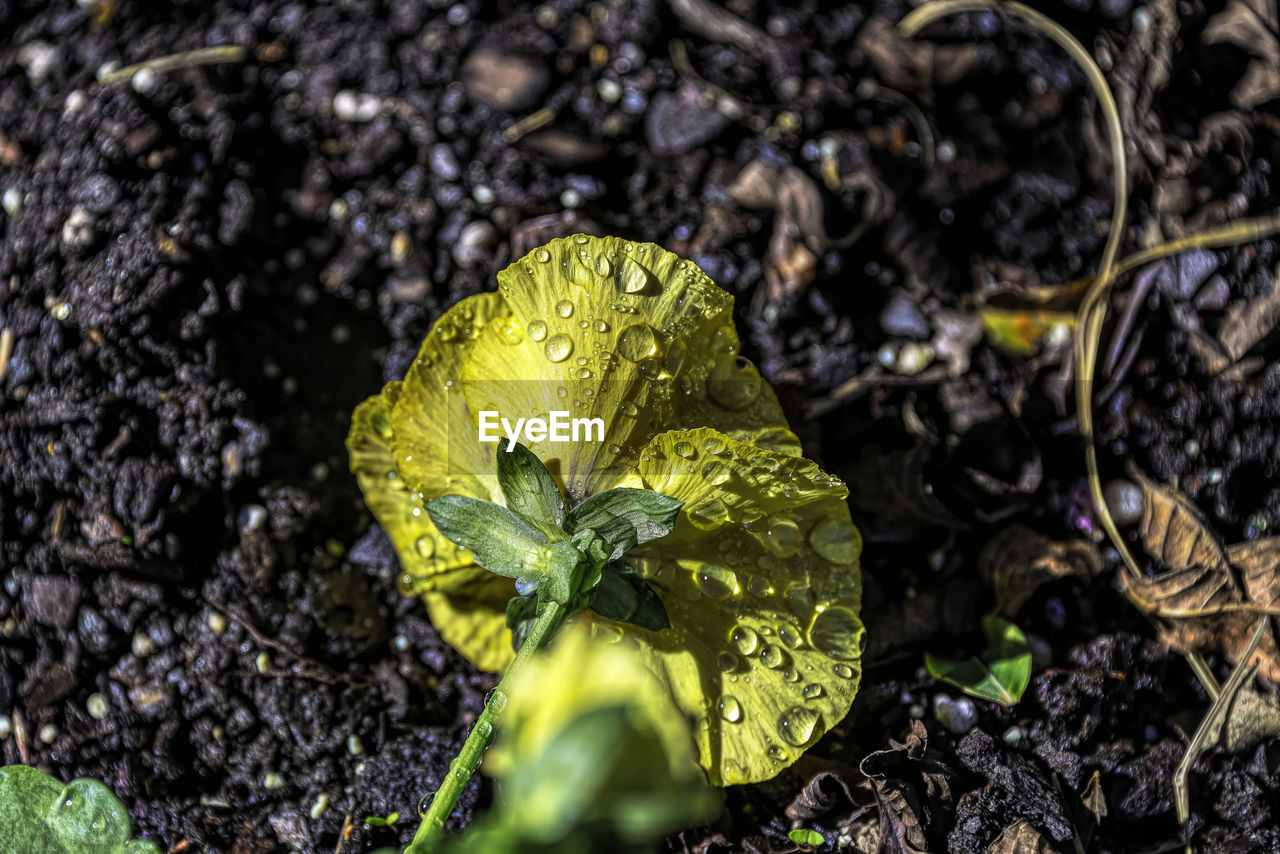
(203, 272)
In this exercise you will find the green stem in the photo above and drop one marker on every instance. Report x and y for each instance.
(468, 759)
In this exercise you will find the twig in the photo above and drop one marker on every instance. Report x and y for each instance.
(174, 61)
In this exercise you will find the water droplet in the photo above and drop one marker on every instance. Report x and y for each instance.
(424, 804)
(713, 444)
(708, 514)
(541, 255)
(564, 308)
(685, 449)
(584, 374)
(797, 724)
(581, 239)
(844, 671)
(497, 701)
(426, 545)
(601, 326)
(558, 347)
(716, 582)
(837, 632)
(676, 356)
(537, 330)
(836, 540)
(730, 709)
(715, 473)
(381, 423)
(744, 639)
(603, 267)
(790, 635)
(791, 675)
(777, 754)
(629, 409)
(734, 383)
(727, 662)
(782, 536)
(636, 343)
(633, 277)
(772, 656)
(812, 691)
(759, 586)
(800, 598)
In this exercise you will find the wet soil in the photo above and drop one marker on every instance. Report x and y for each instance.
(203, 270)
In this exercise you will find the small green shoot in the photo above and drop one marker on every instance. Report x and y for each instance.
(378, 821)
(999, 673)
(41, 815)
(806, 838)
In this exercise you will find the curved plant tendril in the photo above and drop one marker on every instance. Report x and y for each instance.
(1092, 312)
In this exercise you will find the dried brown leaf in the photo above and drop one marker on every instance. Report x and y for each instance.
(1022, 837)
(913, 792)
(1250, 25)
(911, 65)
(1249, 321)
(1094, 799)
(1209, 598)
(824, 792)
(1018, 560)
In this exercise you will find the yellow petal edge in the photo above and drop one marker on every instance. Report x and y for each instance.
(760, 578)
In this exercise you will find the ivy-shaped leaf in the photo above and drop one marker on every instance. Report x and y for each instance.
(999, 673)
(40, 815)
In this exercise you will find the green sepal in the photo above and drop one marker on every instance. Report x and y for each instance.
(566, 566)
(625, 518)
(500, 540)
(530, 491)
(624, 597)
(521, 613)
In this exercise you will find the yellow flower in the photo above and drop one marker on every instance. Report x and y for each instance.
(760, 579)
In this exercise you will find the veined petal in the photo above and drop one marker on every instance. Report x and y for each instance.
(470, 617)
(625, 332)
(761, 583)
(429, 561)
(433, 440)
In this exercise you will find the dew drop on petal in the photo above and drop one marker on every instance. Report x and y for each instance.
(759, 586)
(791, 674)
(734, 383)
(782, 536)
(837, 632)
(730, 709)
(426, 546)
(541, 255)
(797, 724)
(564, 308)
(558, 347)
(772, 656)
(636, 343)
(790, 635)
(715, 473)
(708, 514)
(603, 267)
(744, 639)
(713, 444)
(836, 540)
(716, 582)
(844, 671)
(632, 276)
(685, 449)
(727, 662)
(629, 409)
(800, 598)
(537, 330)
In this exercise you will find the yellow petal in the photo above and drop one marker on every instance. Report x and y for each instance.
(428, 560)
(625, 332)
(761, 583)
(434, 455)
(576, 675)
(471, 617)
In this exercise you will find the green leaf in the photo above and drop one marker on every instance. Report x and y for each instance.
(806, 837)
(377, 821)
(521, 613)
(565, 568)
(624, 517)
(40, 815)
(1000, 673)
(530, 491)
(500, 540)
(624, 597)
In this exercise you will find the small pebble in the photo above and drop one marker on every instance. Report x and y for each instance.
(1214, 475)
(321, 804)
(1124, 500)
(338, 209)
(913, 358)
(142, 645)
(916, 710)
(48, 733)
(78, 228)
(482, 194)
(144, 80)
(609, 90)
(1013, 734)
(216, 623)
(946, 151)
(252, 516)
(262, 662)
(887, 355)
(11, 201)
(400, 642)
(98, 706)
(473, 243)
(570, 198)
(6, 727)
(356, 107)
(354, 745)
(1191, 448)
(272, 781)
(958, 716)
